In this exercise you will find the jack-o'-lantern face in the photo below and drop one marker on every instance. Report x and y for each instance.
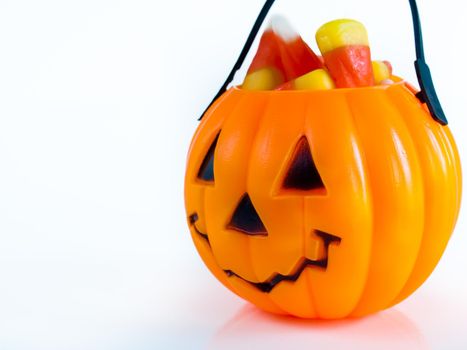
(314, 203)
(303, 178)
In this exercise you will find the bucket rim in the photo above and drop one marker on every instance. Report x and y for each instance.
(400, 83)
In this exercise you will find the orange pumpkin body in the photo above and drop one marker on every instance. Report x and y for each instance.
(357, 232)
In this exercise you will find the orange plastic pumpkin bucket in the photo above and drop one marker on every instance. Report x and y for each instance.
(323, 204)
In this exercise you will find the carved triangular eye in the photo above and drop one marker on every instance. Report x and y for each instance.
(302, 173)
(246, 219)
(206, 171)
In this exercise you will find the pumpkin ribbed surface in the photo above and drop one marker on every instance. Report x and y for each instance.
(324, 204)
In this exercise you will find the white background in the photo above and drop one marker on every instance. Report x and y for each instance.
(98, 103)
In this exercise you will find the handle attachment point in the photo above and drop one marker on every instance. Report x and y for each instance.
(427, 92)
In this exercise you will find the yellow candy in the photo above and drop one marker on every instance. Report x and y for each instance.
(263, 79)
(381, 71)
(339, 33)
(317, 80)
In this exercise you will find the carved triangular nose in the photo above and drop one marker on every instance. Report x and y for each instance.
(246, 219)
(302, 173)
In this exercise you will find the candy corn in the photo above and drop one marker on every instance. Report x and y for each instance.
(382, 71)
(296, 56)
(319, 79)
(263, 79)
(282, 56)
(345, 47)
(285, 62)
(266, 71)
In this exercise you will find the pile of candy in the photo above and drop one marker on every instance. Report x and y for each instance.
(285, 62)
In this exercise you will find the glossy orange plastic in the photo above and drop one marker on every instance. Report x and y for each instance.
(391, 197)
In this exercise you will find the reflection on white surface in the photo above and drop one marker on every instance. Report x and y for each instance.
(390, 330)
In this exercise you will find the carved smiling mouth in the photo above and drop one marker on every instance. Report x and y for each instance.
(192, 220)
(276, 278)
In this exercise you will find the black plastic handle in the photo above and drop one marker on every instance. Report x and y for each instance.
(426, 95)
